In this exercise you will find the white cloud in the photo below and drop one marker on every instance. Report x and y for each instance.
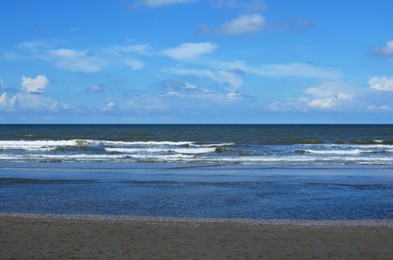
(386, 50)
(35, 85)
(157, 3)
(189, 51)
(74, 60)
(329, 96)
(381, 83)
(221, 77)
(243, 24)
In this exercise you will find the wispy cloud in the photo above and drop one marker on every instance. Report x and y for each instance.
(307, 70)
(134, 64)
(226, 78)
(178, 86)
(140, 49)
(243, 24)
(189, 51)
(386, 50)
(145, 104)
(246, 5)
(379, 108)
(74, 60)
(86, 61)
(183, 90)
(95, 88)
(156, 3)
(291, 24)
(109, 107)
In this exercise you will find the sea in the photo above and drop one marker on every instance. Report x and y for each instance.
(319, 172)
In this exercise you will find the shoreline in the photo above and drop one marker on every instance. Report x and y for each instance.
(387, 223)
(100, 236)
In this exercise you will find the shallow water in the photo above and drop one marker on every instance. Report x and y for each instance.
(200, 192)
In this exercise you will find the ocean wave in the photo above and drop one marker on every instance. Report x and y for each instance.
(366, 142)
(347, 149)
(49, 144)
(197, 158)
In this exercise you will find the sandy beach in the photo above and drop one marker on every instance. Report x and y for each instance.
(27, 236)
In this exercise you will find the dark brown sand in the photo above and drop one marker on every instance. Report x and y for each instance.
(102, 237)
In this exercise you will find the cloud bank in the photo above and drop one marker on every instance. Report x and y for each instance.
(329, 96)
(32, 99)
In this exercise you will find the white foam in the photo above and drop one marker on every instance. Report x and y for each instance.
(161, 150)
(357, 151)
(196, 158)
(51, 144)
(145, 143)
(36, 145)
(213, 145)
(341, 152)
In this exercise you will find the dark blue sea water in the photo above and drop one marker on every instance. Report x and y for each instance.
(225, 171)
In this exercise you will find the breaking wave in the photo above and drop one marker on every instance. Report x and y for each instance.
(89, 150)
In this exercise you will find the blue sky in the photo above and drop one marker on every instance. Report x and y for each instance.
(194, 61)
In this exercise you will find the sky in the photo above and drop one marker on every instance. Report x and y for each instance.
(196, 61)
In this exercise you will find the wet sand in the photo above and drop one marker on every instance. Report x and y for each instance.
(28, 236)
